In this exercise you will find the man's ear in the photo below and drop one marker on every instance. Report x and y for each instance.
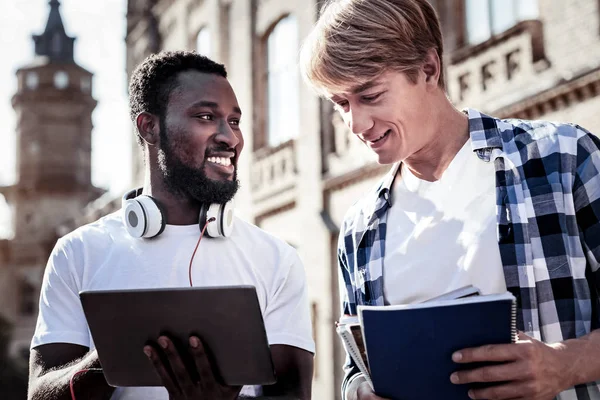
(432, 67)
(148, 127)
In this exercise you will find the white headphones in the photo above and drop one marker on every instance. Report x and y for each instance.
(145, 218)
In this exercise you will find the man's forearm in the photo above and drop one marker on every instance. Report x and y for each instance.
(581, 358)
(55, 384)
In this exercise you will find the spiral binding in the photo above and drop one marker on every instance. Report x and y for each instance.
(513, 321)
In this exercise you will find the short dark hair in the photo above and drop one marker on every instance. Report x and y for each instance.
(155, 78)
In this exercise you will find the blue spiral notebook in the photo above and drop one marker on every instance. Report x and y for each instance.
(409, 347)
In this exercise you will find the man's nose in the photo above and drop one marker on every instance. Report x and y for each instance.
(358, 121)
(227, 135)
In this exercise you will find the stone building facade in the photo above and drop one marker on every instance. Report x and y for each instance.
(301, 169)
(54, 107)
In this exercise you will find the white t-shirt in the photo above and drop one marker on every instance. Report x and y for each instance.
(442, 235)
(102, 255)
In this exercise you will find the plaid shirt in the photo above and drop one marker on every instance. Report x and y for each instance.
(548, 218)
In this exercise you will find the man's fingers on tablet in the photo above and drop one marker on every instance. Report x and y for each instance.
(161, 370)
(202, 364)
(182, 375)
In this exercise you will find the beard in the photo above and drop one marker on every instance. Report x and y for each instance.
(186, 180)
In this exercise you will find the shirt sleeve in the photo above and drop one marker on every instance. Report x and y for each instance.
(586, 193)
(348, 307)
(287, 315)
(61, 318)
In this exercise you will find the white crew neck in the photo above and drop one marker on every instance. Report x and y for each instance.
(182, 229)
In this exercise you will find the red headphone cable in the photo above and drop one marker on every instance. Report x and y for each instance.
(197, 244)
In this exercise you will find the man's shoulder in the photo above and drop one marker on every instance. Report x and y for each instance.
(95, 232)
(554, 134)
(258, 238)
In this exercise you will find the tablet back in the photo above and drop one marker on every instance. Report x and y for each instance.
(228, 320)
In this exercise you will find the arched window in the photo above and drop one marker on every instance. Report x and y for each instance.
(32, 80)
(283, 106)
(61, 79)
(203, 42)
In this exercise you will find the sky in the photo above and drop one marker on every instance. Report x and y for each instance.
(100, 28)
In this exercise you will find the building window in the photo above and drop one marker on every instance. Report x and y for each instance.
(283, 106)
(486, 18)
(61, 80)
(27, 299)
(32, 80)
(203, 43)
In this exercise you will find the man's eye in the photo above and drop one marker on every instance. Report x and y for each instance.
(372, 97)
(205, 117)
(235, 122)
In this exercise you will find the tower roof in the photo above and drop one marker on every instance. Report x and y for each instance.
(54, 43)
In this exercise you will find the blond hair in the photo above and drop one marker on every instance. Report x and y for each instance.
(354, 41)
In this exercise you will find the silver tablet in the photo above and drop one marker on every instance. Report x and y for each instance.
(228, 320)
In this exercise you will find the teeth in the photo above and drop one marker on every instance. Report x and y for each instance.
(379, 138)
(220, 160)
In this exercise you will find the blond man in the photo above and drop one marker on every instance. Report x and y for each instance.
(506, 204)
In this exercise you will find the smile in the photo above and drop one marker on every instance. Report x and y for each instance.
(220, 160)
(381, 137)
(223, 166)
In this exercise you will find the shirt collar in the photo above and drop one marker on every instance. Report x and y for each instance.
(388, 181)
(485, 136)
(483, 130)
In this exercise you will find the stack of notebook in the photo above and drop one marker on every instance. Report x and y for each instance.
(405, 351)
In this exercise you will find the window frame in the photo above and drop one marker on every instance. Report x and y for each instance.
(493, 32)
(262, 79)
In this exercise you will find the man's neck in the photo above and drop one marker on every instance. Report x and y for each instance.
(449, 134)
(179, 210)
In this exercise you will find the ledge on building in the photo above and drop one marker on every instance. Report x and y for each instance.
(564, 94)
(273, 170)
(534, 27)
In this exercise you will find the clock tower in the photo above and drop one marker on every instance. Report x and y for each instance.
(53, 105)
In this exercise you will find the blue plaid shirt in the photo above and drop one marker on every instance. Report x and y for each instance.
(548, 218)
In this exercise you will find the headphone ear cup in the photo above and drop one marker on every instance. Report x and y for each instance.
(223, 224)
(202, 218)
(227, 217)
(143, 217)
(134, 218)
(213, 211)
(157, 220)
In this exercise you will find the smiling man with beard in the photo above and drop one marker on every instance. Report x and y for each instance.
(187, 118)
